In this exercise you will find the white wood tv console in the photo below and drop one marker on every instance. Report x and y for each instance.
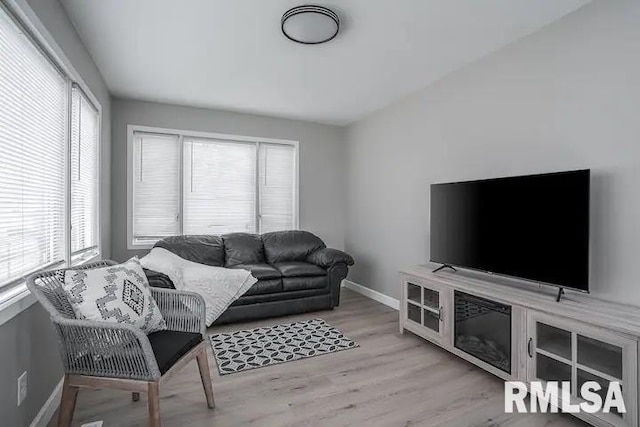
(578, 339)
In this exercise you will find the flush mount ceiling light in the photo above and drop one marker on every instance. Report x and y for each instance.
(310, 24)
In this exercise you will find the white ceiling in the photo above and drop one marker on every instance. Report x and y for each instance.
(230, 54)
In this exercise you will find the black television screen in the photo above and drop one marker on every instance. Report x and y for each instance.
(534, 227)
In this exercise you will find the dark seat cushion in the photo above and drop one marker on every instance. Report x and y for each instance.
(299, 269)
(304, 283)
(264, 286)
(293, 245)
(294, 297)
(260, 271)
(208, 250)
(243, 248)
(170, 346)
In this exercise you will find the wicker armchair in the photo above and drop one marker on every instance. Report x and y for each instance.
(119, 356)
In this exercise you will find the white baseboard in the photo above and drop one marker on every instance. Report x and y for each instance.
(46, 412)
(374, 295)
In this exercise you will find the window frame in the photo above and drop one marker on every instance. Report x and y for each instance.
(79, 254)
(182, 134)
(14, 296)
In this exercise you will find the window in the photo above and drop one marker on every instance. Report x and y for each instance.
(156, 186)
(42, 142)
(183, 183)
(84, 175)
(219, 187)
(277, 187)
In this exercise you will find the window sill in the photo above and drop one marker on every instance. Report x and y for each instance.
(17, 299)
(139, 246)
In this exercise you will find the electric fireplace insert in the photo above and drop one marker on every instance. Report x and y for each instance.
(483, 329)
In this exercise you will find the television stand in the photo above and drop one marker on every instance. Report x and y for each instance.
(513, 329)
(443, 266)
(560, 293)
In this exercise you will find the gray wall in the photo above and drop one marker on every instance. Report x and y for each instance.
(322, 161)
(564, 98)
(27, 342)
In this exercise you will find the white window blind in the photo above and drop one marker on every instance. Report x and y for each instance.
(156, 186)
(277, 187)
(33, 111)
(205, 184)
(84, 175)
(219, 187)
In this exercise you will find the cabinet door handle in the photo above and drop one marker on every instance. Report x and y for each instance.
(529, 347)
(440, 314)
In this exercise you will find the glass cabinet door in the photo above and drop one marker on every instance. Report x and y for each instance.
(564, 351)
(423, 306)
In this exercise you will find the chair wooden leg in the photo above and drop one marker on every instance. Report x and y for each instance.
(67, 403)
(135, 396)
(205, 376)
(154, 404)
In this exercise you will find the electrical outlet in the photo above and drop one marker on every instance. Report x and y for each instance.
(22, 388)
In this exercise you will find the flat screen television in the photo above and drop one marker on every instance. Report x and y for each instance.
(533, 227)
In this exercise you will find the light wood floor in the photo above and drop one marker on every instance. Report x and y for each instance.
(390, 380)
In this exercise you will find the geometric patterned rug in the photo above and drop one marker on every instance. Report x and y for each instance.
(254, 348)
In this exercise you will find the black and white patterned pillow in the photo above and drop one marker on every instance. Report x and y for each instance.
(118, 294)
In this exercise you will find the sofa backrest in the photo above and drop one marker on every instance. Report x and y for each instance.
(207, 250)
(232, 249)
(243, 248)
(293, 245)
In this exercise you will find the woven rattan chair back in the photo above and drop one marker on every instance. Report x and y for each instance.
(47, 288)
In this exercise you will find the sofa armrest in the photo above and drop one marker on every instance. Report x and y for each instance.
(328, 257)
(158, 280)
(336, 273)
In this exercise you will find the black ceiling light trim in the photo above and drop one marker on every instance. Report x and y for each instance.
(310, 8)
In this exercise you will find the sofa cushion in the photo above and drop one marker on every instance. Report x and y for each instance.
(260, 271)
(299, 269)
(243, 248)
(266, 286)
(169, 346)
(293, 245)
(293, 297)
(208, 250)
(304, 283)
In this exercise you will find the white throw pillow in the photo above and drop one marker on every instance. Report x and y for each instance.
(118, 294)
